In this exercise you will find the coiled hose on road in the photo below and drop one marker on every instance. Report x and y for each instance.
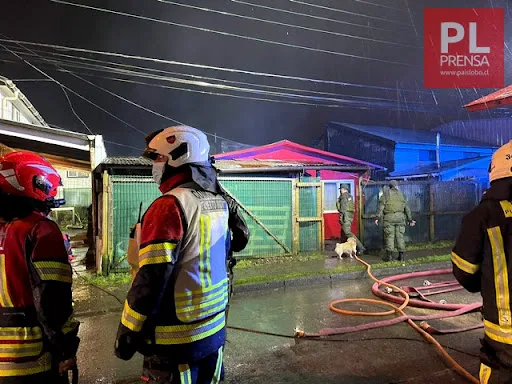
(404, 301)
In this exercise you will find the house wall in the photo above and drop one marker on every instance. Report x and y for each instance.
(15, 110)
(408, 156)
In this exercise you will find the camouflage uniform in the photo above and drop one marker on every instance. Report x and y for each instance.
(396, 212)
(346, 208)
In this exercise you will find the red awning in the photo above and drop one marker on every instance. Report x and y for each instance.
(494, 100)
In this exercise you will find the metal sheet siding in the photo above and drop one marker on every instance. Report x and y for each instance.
(495, 132)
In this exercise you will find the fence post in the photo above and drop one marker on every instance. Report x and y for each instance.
(431, 213)
(295, 216)
(360, 209)
(320, 213)
(104, 225)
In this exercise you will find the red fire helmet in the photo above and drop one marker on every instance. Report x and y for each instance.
(28, 174)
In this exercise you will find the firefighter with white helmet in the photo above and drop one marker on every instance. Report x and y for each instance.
(38, 332)
(175, 310)
(482, 261)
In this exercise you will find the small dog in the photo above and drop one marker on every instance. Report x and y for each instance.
(347, 248)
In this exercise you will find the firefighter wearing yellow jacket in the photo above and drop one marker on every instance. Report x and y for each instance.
(482, 262)
(175, 310)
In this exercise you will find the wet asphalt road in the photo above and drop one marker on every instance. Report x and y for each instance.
(252, 358)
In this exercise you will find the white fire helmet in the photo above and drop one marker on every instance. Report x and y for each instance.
(181, 144)
(501, 164)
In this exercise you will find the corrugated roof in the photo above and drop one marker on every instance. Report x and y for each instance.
(127, 161)
(495, 132)
(324, 157)
(409, 136)
(431, 169)
(227, 164)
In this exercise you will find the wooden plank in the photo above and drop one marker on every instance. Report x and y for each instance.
(431, 212)
(309, 184)
(307, 219)
(258, 221)
(360, 209)
(295, 215)
(321, 215)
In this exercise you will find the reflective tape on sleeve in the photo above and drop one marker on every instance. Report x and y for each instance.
(156, 254)
(53, 270)
(464, 265)
(132, 319)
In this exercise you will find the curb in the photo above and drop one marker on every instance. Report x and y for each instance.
(301, 282)
(337, 277)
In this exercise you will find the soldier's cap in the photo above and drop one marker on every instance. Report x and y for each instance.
(393, 183)
(344, 186)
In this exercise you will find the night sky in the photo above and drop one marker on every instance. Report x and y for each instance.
(374, 47)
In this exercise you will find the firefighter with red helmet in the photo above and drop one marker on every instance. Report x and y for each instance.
(38, 333)
(482, 262)
(175, 312)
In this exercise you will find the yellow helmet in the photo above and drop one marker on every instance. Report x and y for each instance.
(501, 164)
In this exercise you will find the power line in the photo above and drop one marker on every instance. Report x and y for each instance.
(379, 5)
(225, 87)
(74, 112)
(360, 106)
(123, 145)
(203, 66)
(116, 95)
(69, 89)
(279, 43)
(85, 65)
(308, 15)
(286, 24)
(348, 12)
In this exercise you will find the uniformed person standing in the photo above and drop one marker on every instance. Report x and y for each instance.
(175, 312)
(394, 211)
(346, 208)
(482, 263)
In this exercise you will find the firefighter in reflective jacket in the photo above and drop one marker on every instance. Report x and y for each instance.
(482, 261)
(38, 334)
(175, 310)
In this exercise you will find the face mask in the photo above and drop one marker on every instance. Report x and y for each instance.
(158, 172)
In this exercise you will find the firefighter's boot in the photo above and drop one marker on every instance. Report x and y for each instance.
(388, 257)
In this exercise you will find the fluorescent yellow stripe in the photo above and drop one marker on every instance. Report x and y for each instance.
(185, 374)
(155, 260)
(218, 367)
(208, 246)
(132, 319)
(52, 265)
(201, 249)
(498, 333)
(464, 265)
(17, 351)
(507, 208)
(189, 308)
(201, 290)
(485, 374)
(43, 364)
(5, 299)
(54, 270)
(198, 299)
(500, 276)
(166, 246)
(188, 333)
(20, 333)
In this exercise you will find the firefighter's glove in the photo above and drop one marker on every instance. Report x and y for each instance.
(67, 365)
(127, 344)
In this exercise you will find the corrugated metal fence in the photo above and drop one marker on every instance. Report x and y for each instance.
(437, 208)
